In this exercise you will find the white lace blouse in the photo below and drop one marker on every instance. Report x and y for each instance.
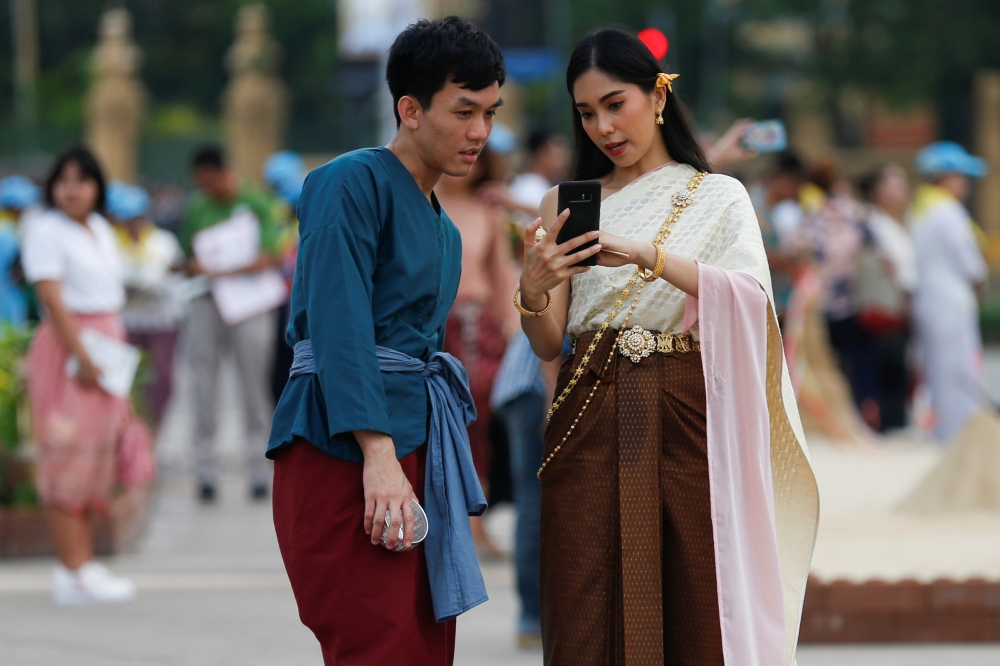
(714, 230)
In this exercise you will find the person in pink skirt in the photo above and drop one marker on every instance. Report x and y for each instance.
(71, 256)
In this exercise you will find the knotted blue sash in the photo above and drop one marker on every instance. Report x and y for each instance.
(451, 486)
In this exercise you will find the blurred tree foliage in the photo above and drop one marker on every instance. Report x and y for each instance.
(904, 50)
(184, 44)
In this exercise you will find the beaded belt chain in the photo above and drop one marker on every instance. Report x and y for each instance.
(681, 200)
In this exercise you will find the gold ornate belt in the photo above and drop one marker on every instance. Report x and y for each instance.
(637, 343)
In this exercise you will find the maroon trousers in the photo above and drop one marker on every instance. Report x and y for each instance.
(365, 605)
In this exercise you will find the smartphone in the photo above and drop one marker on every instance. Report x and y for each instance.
(583, 198)
(765, 136)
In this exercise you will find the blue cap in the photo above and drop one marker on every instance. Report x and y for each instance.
(502, 140)
(282, 166)
(291, 189)
(946, 157)
(18, 192)
(126, 201)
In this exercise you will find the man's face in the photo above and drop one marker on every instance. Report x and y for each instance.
(451, 133)
(219, 184)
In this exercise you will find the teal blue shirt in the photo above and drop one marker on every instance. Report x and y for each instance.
(378, 264)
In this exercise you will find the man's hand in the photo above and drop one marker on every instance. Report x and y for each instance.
(386, 489)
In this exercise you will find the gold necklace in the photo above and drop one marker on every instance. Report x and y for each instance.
(681, 200)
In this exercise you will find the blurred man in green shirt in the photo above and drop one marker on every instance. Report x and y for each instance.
(220, 197)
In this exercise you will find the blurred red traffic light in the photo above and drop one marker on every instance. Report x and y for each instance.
(655, 41)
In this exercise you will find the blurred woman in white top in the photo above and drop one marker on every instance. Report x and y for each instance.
(70, 255)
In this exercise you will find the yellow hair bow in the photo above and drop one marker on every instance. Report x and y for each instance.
(666, 80)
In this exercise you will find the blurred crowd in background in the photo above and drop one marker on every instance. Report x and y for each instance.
(852, 265)
(877, 274)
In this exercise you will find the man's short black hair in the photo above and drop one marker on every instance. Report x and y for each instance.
(540, 138)
(428, 54)
(211, 156)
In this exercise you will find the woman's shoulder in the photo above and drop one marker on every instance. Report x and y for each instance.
(721, 184)
(100, 225)
(46, 223)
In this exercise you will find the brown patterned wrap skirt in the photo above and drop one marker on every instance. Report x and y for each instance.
(627, 553)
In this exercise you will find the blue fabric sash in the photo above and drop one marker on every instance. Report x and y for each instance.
(451, 486)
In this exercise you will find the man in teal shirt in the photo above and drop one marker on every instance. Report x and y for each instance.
(372, 402)
(219, 198)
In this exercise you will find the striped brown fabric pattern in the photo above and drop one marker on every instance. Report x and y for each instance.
(627, 556)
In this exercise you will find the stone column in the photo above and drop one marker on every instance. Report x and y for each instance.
(468, 9)
(987, 145)
(116, 102)
(810, 129)
(255, 103)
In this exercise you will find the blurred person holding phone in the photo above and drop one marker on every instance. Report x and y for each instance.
(71, 256)
(658, 503)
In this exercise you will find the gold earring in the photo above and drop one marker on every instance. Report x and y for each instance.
(659, 117)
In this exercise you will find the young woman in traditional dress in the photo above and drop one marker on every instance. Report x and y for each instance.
(678, 505)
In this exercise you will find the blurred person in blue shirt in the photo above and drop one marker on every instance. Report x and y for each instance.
(285, 174)
(18, 196)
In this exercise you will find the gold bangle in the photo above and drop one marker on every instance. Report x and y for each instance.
(531, 313)
(661, 260)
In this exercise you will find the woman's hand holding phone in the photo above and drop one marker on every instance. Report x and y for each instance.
(547, 264)
(618, 251)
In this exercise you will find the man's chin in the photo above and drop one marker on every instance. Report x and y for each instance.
(459, 170)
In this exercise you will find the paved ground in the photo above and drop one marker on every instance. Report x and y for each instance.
(212, 592)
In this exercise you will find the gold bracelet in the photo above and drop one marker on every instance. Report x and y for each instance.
(531, 313)
(661, 260)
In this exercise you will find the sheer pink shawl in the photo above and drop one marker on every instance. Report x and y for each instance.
(753, 453)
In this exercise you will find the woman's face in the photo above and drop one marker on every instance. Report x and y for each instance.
(618, 117)
(893, 191)
(74, 193)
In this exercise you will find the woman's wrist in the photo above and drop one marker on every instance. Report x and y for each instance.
(531, 300)
(646, 256)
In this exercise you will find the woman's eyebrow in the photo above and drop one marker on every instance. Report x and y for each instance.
(610, 94)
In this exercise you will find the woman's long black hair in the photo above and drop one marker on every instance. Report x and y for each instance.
(623, 57)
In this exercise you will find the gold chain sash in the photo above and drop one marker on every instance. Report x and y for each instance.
(681, 200)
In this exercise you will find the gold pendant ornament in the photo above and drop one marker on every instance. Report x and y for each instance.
(637, 344)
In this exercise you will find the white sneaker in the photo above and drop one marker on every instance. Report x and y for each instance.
(90, 584)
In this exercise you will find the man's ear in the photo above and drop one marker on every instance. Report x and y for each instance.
(410, 112)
